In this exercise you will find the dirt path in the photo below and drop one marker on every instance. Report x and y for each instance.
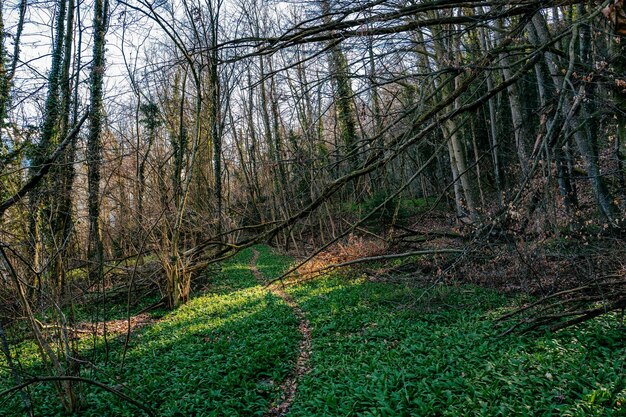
(289, 387)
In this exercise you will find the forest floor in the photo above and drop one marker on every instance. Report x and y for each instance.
(289, 386)
(342, 345)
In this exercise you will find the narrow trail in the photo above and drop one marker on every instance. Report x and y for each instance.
(289, 387)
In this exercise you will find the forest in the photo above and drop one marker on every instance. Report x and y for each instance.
(312, 208)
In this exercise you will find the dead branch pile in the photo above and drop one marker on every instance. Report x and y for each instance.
(570, 307)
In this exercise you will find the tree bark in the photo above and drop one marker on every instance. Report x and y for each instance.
(581, 135)
(94, 143)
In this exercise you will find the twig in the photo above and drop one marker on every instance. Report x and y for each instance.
(45, 167)
(380, 258)
(37, 379)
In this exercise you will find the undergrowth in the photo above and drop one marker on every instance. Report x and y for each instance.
(378, 349)
(224, 353)
(389, 350)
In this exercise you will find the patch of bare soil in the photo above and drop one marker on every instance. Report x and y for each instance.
(112, 327)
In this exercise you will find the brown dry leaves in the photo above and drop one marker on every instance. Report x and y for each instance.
(354, 247)
(113, 327)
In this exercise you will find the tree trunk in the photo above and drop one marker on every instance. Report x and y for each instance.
(517, 116)
(581, 135)
(94, 143)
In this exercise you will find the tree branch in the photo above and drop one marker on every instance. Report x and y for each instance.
(379, 258)
(37, 379)
(44, 168)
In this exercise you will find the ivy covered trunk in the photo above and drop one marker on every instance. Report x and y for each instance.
(94, 143)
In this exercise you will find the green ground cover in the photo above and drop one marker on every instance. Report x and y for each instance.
(378, 349)
(222, 354)
(388, 350)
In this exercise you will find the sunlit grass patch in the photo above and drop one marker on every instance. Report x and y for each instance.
(224, 353)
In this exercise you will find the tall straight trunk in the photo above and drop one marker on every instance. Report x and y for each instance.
(620, 140)
(8, 66)
(49, 136)
(481, 193)
(178, 278)
(4, 82)
(211, 34)
(517, 117)
(451, 131)
(377, 140)
(216, 136)
(151, 121)
(179, 139)
(253, 145)
(561, 153)
(94, 143)
(269, 141)
(62, 216)
(49, 130)
(284, 190)
(460, 160)
(618, 62)
(493, 130)
(581, 135)
(277, 129)
(340, 75)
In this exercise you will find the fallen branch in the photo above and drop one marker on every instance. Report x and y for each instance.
(588, 315)
(378, 258)
(569, 307)
(556, 295)
(432, 234)
(37, 379)
(45, 167)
